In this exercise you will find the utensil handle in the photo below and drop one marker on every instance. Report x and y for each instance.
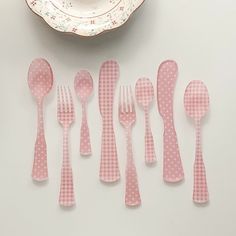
(132, 195)
(109, 167)
(150, 156)
(200, 189)
(66, 197)
(172, 169)
(40, 169)
(85, 144)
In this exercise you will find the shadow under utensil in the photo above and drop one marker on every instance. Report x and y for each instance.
(151, 165)
(133, 207)
(175, 184)
(68, 208)
(40, 183)
(110, 183)
(201, 205)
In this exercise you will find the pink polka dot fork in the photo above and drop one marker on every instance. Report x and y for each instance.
(127, 118)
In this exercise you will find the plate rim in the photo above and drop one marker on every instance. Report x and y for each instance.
(86, 34)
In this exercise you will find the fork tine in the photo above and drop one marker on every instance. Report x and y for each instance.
(71, 101)
(62, 99)
(120, 105)
(127, 99)
(58, 100)
(132, 99)
(66, 99)
(123, 102)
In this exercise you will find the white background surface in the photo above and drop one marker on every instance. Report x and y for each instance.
(201, 37)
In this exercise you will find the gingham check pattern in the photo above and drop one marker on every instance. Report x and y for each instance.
(166, 79)
(144, 92)
(40, 80)
(109, 168)
(196, 102)
(84, 87)
(65, 113)
(127, 118)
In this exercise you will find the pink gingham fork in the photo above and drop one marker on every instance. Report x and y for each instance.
(65, 114)
(127, 118)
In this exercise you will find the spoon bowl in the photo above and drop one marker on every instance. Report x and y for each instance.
(40, 78)
(83, 85)
(196, 99)
(144, 92)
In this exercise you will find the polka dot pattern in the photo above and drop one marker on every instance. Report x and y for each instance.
(166, 79)
(196, 102)
(109, 167)
(144, 92)
(83, 88)
(127, 118)
(40, 80)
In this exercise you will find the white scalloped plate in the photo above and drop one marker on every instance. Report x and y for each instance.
(84, 17)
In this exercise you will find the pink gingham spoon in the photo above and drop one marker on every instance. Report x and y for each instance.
(144, 92)
(40, 80)
(196, 102)
(84, 87)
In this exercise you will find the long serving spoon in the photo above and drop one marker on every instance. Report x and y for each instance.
(196, 102)
(144, 92)
(84, 87)
(40, 80)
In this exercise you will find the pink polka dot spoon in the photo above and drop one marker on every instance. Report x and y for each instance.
(40, 80)
(84, 87)
(196, 103)
(144, 92)
(166, 79)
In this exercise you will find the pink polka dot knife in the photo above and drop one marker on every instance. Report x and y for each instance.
(166, 79)
(109, 168)
(40, 80)
(84, 87)
(196, 103)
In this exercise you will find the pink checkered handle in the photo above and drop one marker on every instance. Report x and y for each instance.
(85, 144)
(66, 197)
(40, 169)
(172, 168)
(132, 195)
(150, 156)
(109, 167)
(200, 190)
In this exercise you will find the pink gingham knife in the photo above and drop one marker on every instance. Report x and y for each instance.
(109, 168)
(166, 79)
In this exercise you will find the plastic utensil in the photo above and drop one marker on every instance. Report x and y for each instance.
(84, 87)
(196, 103)
(40, 80)
(109, 167)
(127, 118)
(144, 92)
(66, 116)
(166, 80)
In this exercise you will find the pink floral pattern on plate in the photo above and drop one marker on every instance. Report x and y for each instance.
(68, 16)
